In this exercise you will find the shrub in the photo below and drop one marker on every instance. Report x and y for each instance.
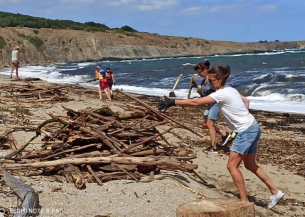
(128, 29)
(92, 29)
(2, 42)
(121, 31)
(21, 35)
(35, 31)
(35, 40)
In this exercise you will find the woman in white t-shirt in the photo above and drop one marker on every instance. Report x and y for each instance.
(234, 108)
(15, 61)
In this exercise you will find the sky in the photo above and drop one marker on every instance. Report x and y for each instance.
(218, 20)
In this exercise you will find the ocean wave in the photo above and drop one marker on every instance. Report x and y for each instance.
(85, 64)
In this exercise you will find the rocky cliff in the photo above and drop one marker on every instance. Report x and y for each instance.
(41, 46)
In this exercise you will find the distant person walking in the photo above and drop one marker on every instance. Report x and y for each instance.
(15, 61)
(100, 75)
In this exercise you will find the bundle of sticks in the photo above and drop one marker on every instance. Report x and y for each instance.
(30, 93)
(98, 145)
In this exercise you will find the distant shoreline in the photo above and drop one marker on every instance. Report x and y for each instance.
(148, 58)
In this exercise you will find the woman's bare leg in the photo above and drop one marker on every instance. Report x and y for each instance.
(233, 166)
(12, 70)
(211, 128)
(16, 70)
(106, 90)
(100, 93)
(250, 164)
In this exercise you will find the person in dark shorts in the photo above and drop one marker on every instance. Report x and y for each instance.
(15, 61)
(100, 75)
(211, 112)
(110, 80)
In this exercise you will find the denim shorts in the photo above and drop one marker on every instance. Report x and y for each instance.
(211, 112)
(246, 141)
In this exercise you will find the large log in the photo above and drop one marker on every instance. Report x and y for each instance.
(216, 208)
(145, 161)
(74, 175)
(30, 199)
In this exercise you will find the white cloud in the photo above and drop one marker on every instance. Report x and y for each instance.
(228, 8)
(79, 1)
(193, 10)
(149, 5)
(219, 8)
(269, 8)
(120, 2)
(8, 1)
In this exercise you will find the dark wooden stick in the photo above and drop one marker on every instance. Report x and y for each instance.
(99, 182)
(146, 140)
(160, 115)
(125, 171)
(70, 150)
(142, 103)
(102, 137)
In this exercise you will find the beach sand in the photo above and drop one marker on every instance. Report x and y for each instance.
(281, 154)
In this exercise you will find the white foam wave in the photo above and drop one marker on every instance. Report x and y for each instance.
(279, 106)
(85, 64)
(261, 76)
(188, 64)
(48, 73)
(291, 76)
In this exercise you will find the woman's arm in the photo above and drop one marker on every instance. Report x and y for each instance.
(113, 80)
(195, 102)
(246, 101)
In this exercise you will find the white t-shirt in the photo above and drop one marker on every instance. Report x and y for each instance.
(233, 109)
(14, 55)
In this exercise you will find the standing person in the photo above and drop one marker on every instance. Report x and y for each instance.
(110, 80)
(238, 118)
(211, 112)
(15, 61)
(101, 76)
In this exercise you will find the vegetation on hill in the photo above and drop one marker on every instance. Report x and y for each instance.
(18, 20)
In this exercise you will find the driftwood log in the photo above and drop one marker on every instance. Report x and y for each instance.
(216, 207)
(146, 161)
(74, 175)
(27, 194)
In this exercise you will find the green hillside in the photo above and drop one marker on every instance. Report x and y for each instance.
(19, 20)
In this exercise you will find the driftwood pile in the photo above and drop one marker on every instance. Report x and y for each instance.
(29, 93)
(99, 145)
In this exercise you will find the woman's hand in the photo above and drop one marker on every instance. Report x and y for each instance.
(166, 103)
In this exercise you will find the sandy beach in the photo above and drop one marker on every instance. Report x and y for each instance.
(280, 153)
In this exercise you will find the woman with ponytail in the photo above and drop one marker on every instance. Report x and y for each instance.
(211, 112)
(235, 110)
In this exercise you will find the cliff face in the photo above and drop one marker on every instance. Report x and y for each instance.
(79, 46)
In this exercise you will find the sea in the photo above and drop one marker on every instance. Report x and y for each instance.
(272, 81)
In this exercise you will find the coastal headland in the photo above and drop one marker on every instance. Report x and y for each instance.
(47, 46)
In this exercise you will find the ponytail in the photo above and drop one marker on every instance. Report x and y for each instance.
(202, 66)
(221, 73)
